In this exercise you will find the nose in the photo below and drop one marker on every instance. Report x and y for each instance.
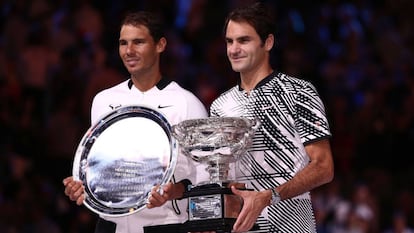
(233, 48)
(129, 49)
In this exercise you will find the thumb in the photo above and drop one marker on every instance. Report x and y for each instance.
(236, 191)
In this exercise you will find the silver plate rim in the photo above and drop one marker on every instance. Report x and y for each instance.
(114, 116)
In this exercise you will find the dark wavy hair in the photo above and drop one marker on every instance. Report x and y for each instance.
(257, 15)
(150, 20)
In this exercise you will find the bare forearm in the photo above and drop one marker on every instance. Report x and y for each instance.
(309, 178)
(319, 171)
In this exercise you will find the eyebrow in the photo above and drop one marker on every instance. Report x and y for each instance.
(241, 38)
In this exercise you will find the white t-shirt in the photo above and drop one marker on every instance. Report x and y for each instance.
(176, 104)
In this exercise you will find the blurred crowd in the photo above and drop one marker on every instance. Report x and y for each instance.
(55, 55)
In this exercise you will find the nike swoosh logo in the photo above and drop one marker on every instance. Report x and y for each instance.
(164, 106)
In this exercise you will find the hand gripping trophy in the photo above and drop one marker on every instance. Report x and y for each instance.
(216, 142)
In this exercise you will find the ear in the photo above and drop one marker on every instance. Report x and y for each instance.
(269, 42)
(162, 43)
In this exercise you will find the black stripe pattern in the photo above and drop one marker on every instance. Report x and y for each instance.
(291, 114)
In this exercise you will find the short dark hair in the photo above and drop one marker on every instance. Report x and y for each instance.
(150, 20)
(257, 15)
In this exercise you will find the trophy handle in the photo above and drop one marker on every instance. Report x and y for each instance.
(248, 137)
(176, 133)
(256, 125)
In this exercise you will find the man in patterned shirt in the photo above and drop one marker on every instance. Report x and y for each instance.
(291, 153)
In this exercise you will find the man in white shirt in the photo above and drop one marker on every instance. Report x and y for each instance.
(141, 43)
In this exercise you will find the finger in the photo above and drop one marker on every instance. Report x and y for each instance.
(67, 180)
(241, 218)
(80, 200)
(164, 194)
(168, 187)
(68, 188)
(148, 202)
(160, 190)
(154, 192)
(157, 197)
(236, 191)
(73, 187)
(244, 222)
(150, 198)
(153, 202)
(76, 191)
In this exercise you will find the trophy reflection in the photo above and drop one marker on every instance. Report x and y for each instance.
(216, 142)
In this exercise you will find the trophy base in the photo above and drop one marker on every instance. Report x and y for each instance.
(207, 189)
(222, 225)
(202, 218)
(170, 228)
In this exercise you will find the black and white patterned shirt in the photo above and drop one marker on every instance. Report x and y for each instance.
(291, 115)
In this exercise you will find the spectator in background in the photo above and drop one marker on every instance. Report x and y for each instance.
(399, 224)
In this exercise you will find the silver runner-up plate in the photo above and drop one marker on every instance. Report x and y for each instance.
(122, 156)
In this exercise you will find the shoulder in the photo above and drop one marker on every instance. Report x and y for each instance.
(290, 80)
(119, 88)
(226, 100)
(191, 103)
(226, 94)
(180, 92)
(175, 87)
(293, 85)
(108, 99)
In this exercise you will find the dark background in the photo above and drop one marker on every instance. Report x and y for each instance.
(55, 55)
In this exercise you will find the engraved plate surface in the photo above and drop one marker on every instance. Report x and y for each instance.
(122, 157)
(205, 207)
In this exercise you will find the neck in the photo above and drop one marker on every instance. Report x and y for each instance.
(249, 80)
(145, 82)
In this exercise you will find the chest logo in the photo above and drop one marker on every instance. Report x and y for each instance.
(164, 106)
(114, 106)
